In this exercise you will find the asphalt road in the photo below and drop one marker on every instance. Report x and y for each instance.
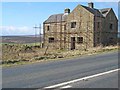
(40, 75)
(105, 81)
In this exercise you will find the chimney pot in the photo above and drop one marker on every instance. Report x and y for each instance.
(91, 5)
(67, 11)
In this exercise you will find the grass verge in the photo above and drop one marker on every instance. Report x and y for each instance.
(19, 55)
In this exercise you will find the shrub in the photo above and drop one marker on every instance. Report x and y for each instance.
(39, 58)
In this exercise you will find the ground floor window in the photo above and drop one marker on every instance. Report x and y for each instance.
(111, 40)
(98, 40)
(79, 40)
(51, 40)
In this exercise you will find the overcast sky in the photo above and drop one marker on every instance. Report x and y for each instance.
(19, 18)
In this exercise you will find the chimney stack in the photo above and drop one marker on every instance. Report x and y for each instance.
(91, 5)
(66, 11)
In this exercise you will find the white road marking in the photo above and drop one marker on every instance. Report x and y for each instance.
(84, 78)
(68, 86)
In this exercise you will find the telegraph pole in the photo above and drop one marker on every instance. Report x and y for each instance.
(40, 35)
(35, 27)
(39, 32)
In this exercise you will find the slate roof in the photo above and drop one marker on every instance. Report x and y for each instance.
(56, 18)
(62, 17)
(105, 11)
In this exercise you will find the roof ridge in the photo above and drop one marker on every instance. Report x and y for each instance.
(90, 8)
(104, 8)
(58, 14)
(94, 11)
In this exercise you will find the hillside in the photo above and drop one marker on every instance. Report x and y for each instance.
(21, 39)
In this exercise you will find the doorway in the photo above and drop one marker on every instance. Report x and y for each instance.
(72, 43)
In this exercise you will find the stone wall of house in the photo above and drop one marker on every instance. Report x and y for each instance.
(109, 33)
(84, 28)
(56, 31)
(98, 30)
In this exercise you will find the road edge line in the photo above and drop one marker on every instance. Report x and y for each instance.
(84, 78)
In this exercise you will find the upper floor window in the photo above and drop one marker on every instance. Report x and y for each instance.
(79, 40)
(51, 40)
(64, 39)
(73, 24)
(64, 27)
(48, 28)
(111, 26)
(98, 25)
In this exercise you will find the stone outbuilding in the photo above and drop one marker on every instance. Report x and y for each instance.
(84, 27)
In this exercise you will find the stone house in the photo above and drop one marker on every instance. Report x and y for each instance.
(85, 27)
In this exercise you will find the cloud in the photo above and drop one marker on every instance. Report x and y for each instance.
(12, 30)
